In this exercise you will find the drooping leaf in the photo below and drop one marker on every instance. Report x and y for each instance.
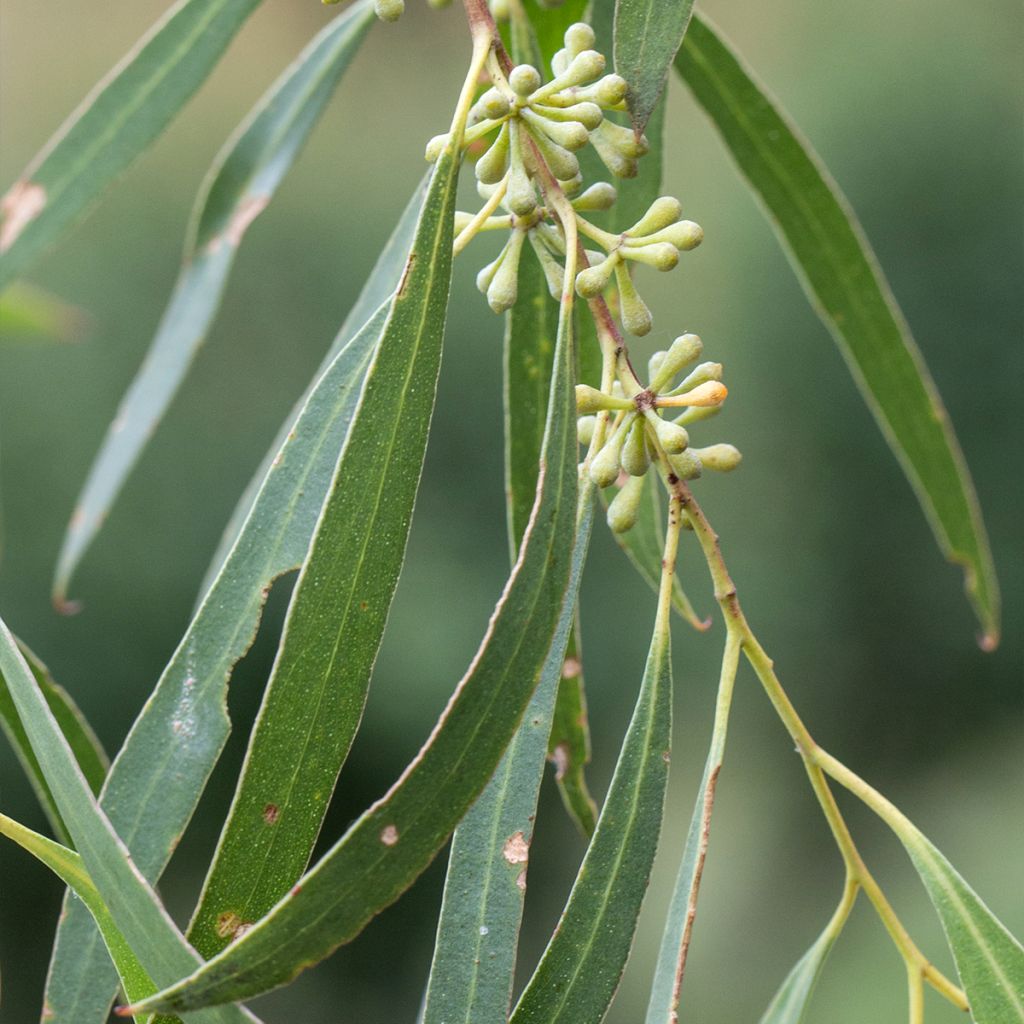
(644, 544)
(32, 314)
(315, 697)
(477, 936)
(790, 1002)
(67, 865)
(648, 34)
(393, 841)
(583, 963)
(176, 741)
(134, 907)
(844, 283)
(85, 746)
(239, 186)
(663, 1004)
(117, 121)
(989, 960)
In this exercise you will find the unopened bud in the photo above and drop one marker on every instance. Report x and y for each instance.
(660, 255)
(625, 506)
(623, 140)
(579, 37)
(662, 212)
(435, 147)
(721, 457)
(590, 400)
(674, 439)
(685, 235)
(553, 272)
(524, 79)
(521, 197)
(634, 450)
(585, 429)
(711, 393)
(491, 167)
(560, 61)
(610, 91)
(571, 135)
(493, 104)
(699, 375)
(636, 317)
(588, 114)
(600, 196)
(564, 165)
(654, 364)
(591, 282)
(504, 286)
(388, 10)
(682, 351)
(696, 413)
(500, 10)
(604, 469)
(685, 465)
(621, 166)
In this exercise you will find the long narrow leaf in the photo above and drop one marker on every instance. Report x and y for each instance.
(844, 283)
(117, 121)
(387, 848)
(89, 753)
(648, 33)
(134, 907)
(239, 186)
(315, 698)
(583, 963)
(176, 741)
(67, 865)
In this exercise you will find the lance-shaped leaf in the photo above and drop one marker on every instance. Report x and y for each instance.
(176, 741)
(989, 960)
(477, 936)
(838, 270)
(117, 121)
(315, 697)
(648, 34)
(663, 1005)
(133, 906)
(67, 865)
(85, 746)
(583, 963)
(790, 1002)
(237, 189)
(393, 841)
(645, 542)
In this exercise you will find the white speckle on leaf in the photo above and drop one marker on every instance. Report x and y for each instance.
(484, 929)
(516, 849)
(389, 835)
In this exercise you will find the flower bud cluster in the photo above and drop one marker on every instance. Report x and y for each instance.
(640, 434)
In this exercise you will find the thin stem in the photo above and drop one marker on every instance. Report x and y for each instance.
(469, 232)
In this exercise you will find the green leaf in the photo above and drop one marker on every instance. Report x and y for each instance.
(549, 25)
(67, 865)
(32, 314)
(988, 958)
(123, 114)
(569, 742)
(844, 283)
(85, 746)
(133, 906)
(388, 847)
(648, 34)
(315, 697)
(176, 740)
(790, 1002)
(645, 543)
(238, 187)
(663, 1005)
(583, 963)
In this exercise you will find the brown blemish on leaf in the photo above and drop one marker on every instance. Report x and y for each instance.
(228, 924)
(516, 849)
(295, 890)
(245, 213)
(559, 757)
(389, 835)
(22, 204)
(571, 669)
(409, 263)
(271, 814)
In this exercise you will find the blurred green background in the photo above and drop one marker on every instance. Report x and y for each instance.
(916, 109)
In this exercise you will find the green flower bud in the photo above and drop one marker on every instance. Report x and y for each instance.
(588, 114)
(579, 37)
(699, 375)
(696, 413)
(388, 10)
(682, 351)
(660, 255)
(492, 104)
(572, 185)
(721, 457)
(491, 167)
(435, 147)
(570, 135)
(552, 237)
(623, 140)
(521, 197)
(625, 506)
(500, 10)
(486, 275)
(634, 450)
(584, 67)
(524, 79)
(604, 469)
(662, 212)
(591, 282)
(621, 166)
(560, 61)
(610, 91)
(585, 429)
(685, 465)
(654, 365)
(462, 221)
(564, 165)
(636, 317)
(504, 286)
(673, 438)
(600, 196)
(590, 400)
(553, 271)
(685, 235)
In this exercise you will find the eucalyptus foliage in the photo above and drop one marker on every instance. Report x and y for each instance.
(548, 126)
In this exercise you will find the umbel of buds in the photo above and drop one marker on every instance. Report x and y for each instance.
(640, 434)
(527, 123)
